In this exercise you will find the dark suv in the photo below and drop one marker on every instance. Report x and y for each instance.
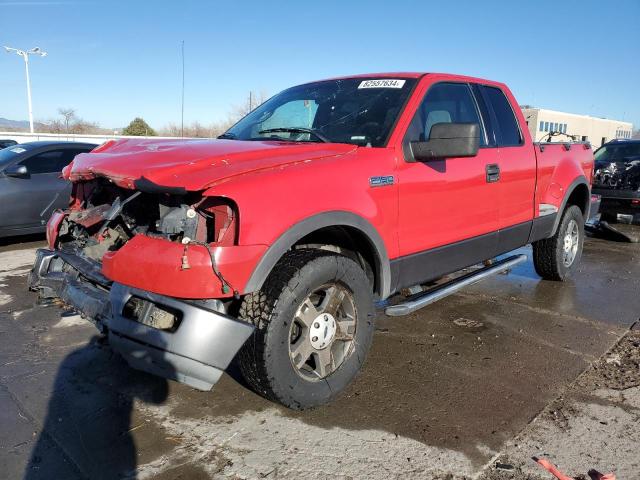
(617, 178)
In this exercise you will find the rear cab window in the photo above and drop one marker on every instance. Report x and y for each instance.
(503, 120)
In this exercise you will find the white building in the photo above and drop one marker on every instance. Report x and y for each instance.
(581, 127)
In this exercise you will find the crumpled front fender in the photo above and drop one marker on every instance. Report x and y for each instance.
(156, 265)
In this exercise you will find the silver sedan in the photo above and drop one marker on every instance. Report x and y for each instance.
(30, 184)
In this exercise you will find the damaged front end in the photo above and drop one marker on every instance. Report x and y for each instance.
(143, 266)
(617, 178)
(622, 175)
(104, 217)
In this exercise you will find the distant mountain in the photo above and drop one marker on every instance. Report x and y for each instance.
(19, 125)
(5, 122)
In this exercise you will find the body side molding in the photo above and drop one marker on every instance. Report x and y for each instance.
(546, 224)
(422, 267)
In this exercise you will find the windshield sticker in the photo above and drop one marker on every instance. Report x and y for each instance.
(382, 83)
(18, 149)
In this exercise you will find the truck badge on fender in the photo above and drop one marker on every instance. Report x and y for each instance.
(381, 181)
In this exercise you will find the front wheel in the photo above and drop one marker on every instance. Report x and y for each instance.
(556, 258)
(314, 325)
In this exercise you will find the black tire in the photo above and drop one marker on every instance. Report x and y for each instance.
(265, 360)
(549, 254)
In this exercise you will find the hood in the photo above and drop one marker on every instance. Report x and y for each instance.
(191, 164)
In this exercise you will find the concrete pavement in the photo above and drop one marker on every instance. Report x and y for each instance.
(444, 392)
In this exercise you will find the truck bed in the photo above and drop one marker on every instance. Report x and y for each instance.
(555, 160)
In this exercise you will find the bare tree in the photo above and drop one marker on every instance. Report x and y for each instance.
(194, 130)
(69, 114)
(87, 127)
(253, 100)
(71, 124)
(54, 126)
(212, 130)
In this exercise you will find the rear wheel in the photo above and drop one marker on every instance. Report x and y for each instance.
(314, 325)
(555, 258)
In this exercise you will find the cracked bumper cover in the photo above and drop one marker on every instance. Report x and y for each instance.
(195, 353)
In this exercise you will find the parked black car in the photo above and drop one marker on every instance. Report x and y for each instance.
(617, 178)
(29, 182)
(4, 143)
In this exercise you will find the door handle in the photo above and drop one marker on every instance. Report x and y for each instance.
(493, 172)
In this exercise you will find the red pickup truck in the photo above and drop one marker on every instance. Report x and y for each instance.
(276, 242)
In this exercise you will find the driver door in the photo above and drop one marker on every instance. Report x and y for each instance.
(448, 207)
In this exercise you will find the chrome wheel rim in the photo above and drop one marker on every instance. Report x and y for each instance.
(322, 333)
(571, 243)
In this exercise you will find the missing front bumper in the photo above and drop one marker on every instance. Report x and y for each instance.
(195, 351)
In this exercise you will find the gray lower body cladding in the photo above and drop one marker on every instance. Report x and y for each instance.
(196, 352)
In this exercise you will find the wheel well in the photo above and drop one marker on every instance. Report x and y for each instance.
(336, 230)
(580, 197)
(348, 241)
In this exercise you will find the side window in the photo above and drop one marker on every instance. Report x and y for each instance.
(49, 162)
(444, 103)
(507, 125)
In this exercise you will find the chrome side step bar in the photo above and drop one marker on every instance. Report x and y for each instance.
(422, 299)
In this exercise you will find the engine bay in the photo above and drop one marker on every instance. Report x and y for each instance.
(619, 175)
(103, 217)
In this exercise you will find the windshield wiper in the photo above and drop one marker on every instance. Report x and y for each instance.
(227, 136)
(310, 131)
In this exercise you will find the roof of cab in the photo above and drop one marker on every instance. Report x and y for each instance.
(416, 75)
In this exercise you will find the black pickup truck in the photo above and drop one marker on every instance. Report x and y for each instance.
(617, 178)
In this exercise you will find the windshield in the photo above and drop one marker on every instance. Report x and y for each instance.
(618, 152)
(360, 111)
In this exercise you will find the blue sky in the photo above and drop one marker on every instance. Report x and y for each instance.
(114, 60)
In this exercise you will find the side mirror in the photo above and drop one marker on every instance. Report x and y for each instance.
(17, 171)
(448, 140)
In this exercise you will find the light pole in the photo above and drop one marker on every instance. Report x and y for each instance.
(25, 55)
